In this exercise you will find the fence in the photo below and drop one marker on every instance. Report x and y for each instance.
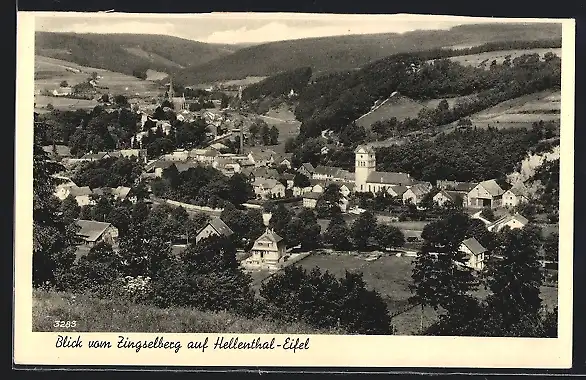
(190, 207)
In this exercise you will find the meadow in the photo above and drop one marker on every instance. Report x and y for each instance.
(117, 315)
(520, 112)
(391, 276)
(50, 72)
(477, 59)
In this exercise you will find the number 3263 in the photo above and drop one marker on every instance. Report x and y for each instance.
(64, 324)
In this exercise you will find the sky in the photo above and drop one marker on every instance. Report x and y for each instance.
(234, 28)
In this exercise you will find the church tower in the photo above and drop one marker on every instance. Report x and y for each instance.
(364, 165)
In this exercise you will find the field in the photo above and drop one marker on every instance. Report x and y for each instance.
(285, 121)
(520, 112)
(99, 315)
(400, 107)
(391, 276)
(477, 59)
(49, 73)
(63, 104)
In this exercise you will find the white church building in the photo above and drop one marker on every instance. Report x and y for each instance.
(369, 180)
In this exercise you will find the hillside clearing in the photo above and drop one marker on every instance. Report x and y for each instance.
(50, 72)
(477, 59)
(520, 112)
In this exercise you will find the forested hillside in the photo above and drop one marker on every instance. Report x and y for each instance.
(328, 54)
(127, 52)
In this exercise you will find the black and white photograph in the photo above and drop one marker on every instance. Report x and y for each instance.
(298, 175)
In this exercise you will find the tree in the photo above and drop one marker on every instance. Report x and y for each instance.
(53, 237)
(64, 84)
(388, 236)
(280, 216)
(121, 101)
(211, 278)
(70, 209)
(301, 180)
(550, 246)
(337, 234)
(488, 214)
(362, 229)
(515, 280)
(311, 230)
(120, 218)
(96, 272)
(273, 136)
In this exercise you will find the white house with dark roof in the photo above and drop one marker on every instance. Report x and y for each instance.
(266, 188)
(475, 253)
(310, 199)
(485, 194)
(367, 179)
(444, 197)
(416, 193)
(94, 156)
(306, 169)
(92, 232)
(512, 221)
(215, 227)
(267, 252)
(514, 196)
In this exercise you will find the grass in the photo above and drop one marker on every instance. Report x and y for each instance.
(520, 112)
(391, 276)
(397, 106)
(53, 71)
(99, 315)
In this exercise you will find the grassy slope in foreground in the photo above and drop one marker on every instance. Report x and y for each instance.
(100, 315)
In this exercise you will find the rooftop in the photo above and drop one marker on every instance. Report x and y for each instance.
(91, 230)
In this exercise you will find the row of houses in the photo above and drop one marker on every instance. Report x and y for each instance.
(86, 196)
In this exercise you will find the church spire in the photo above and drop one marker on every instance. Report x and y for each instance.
(171, 92)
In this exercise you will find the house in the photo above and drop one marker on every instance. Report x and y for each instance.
(397, 191)
(206, 156)
(266, 188)
(416, 193)
(444, 197)
(306, 169)
(268, 251)
(299, 191)
(455, 185)
(265, 172)
(121, 193)
(310, 199)
(346, 188)
(325, 173)
(95, 156)
(184, 166)
(219, 147)
(82, 195)
(285, 162)
(475, 253)
(140, 154)
(289, 178)
(177, 155)
(262, 157)
(215, 227)
(62, 91)
(367, 179)
(160, 165)
(226, 165)
(92, 232)
(512, 221)
(63, 190)
(485, 194)
(514, 196)
(57, 151)
(318, 186)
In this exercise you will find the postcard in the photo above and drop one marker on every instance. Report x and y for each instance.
(293, 190)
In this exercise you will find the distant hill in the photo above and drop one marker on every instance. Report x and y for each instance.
(349, 52)
(127, 52)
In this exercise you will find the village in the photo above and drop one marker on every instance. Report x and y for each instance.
(274, 179)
